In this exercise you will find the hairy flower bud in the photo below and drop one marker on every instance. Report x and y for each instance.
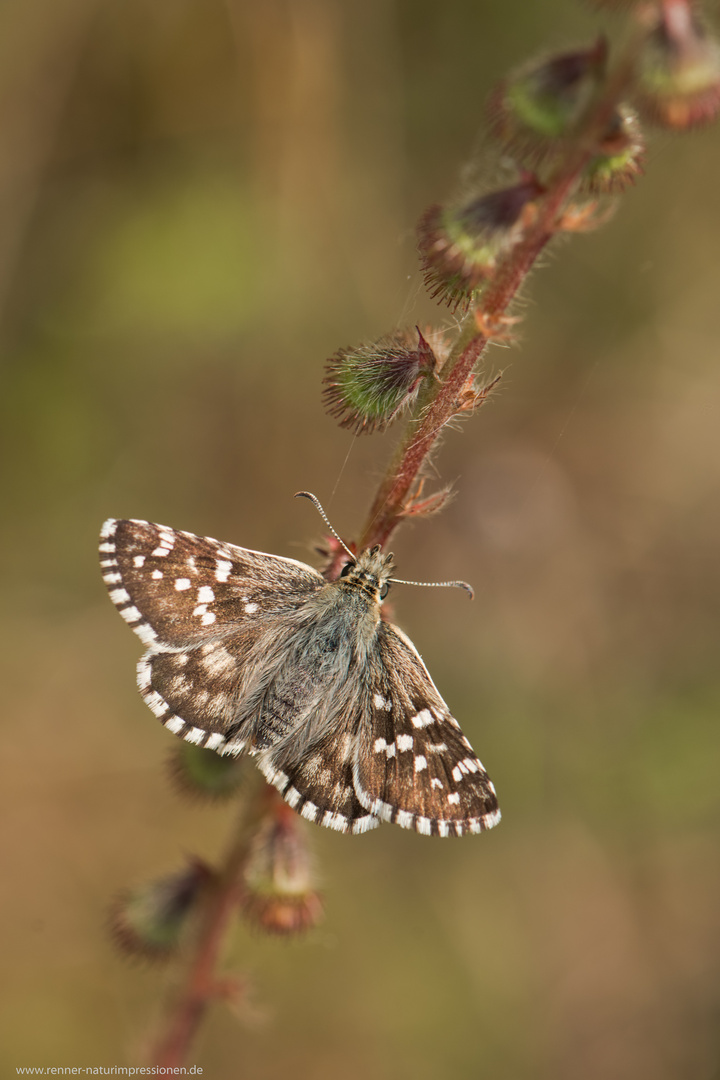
(679, 72)
(459, 246)
(204, 774)
(534, 110)
(620, 159)
(367, 387)
(279, 896)
(148, 920)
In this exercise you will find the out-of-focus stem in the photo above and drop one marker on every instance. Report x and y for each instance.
(197, 983)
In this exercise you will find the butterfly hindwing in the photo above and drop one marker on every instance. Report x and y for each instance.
(319, 784)
(413, 764)
(194, 690)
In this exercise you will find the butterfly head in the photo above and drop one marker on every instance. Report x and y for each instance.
(369, 572)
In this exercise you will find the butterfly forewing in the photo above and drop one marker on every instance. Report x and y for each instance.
(413, 764)
(177, 589)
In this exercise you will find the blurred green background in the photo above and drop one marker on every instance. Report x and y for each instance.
(199, 202)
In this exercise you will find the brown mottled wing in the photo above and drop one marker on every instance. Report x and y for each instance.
(413, 765)
(206, 610)
(319, 784)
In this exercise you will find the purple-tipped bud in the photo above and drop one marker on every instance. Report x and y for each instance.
(367, 387)
(679, 72)
(148, 920)
(279, 896)
(620, 159)
(460, 246)
(203, 774)
(533, 111)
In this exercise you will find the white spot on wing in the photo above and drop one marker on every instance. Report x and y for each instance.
(420, 763)
(146, 633)
(120, 596)
(454, 798)
(208, 618)
(158, 705)
(205, 595)
(404, 742)
(423, 718)
(175, 724)
(194, 735)
(222, 571)
(340, 823)
(310, 811)
(365, 823)
(218, 660)
(157, 574)
(143, 673)
(214, 741)
(250, 609)
(138, 561)
(379, 745)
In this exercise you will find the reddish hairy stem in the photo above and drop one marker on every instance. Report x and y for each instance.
(391, 502)
(198, 981)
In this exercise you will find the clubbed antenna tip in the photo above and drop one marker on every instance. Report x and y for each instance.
(437, 585)
(316, 503)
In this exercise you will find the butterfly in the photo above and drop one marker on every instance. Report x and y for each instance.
(259, 654)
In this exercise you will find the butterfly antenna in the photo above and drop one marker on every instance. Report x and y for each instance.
(436, 585)
(316, 502)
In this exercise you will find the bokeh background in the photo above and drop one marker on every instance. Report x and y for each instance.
(199, 202)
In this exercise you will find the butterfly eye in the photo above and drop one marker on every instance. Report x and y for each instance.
(346, 569)
(384, 591)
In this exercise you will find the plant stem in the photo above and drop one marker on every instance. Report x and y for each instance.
(197, 983)
(441, 403)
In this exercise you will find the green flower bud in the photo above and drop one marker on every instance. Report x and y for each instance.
(459, 246)
(533, 111)
(204, 774)
(148, 920)
(367, 387)
(620, 159)
(279, 896)
(679, 72)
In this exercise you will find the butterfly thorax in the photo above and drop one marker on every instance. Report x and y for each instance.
(369, 574)
(332, 634)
